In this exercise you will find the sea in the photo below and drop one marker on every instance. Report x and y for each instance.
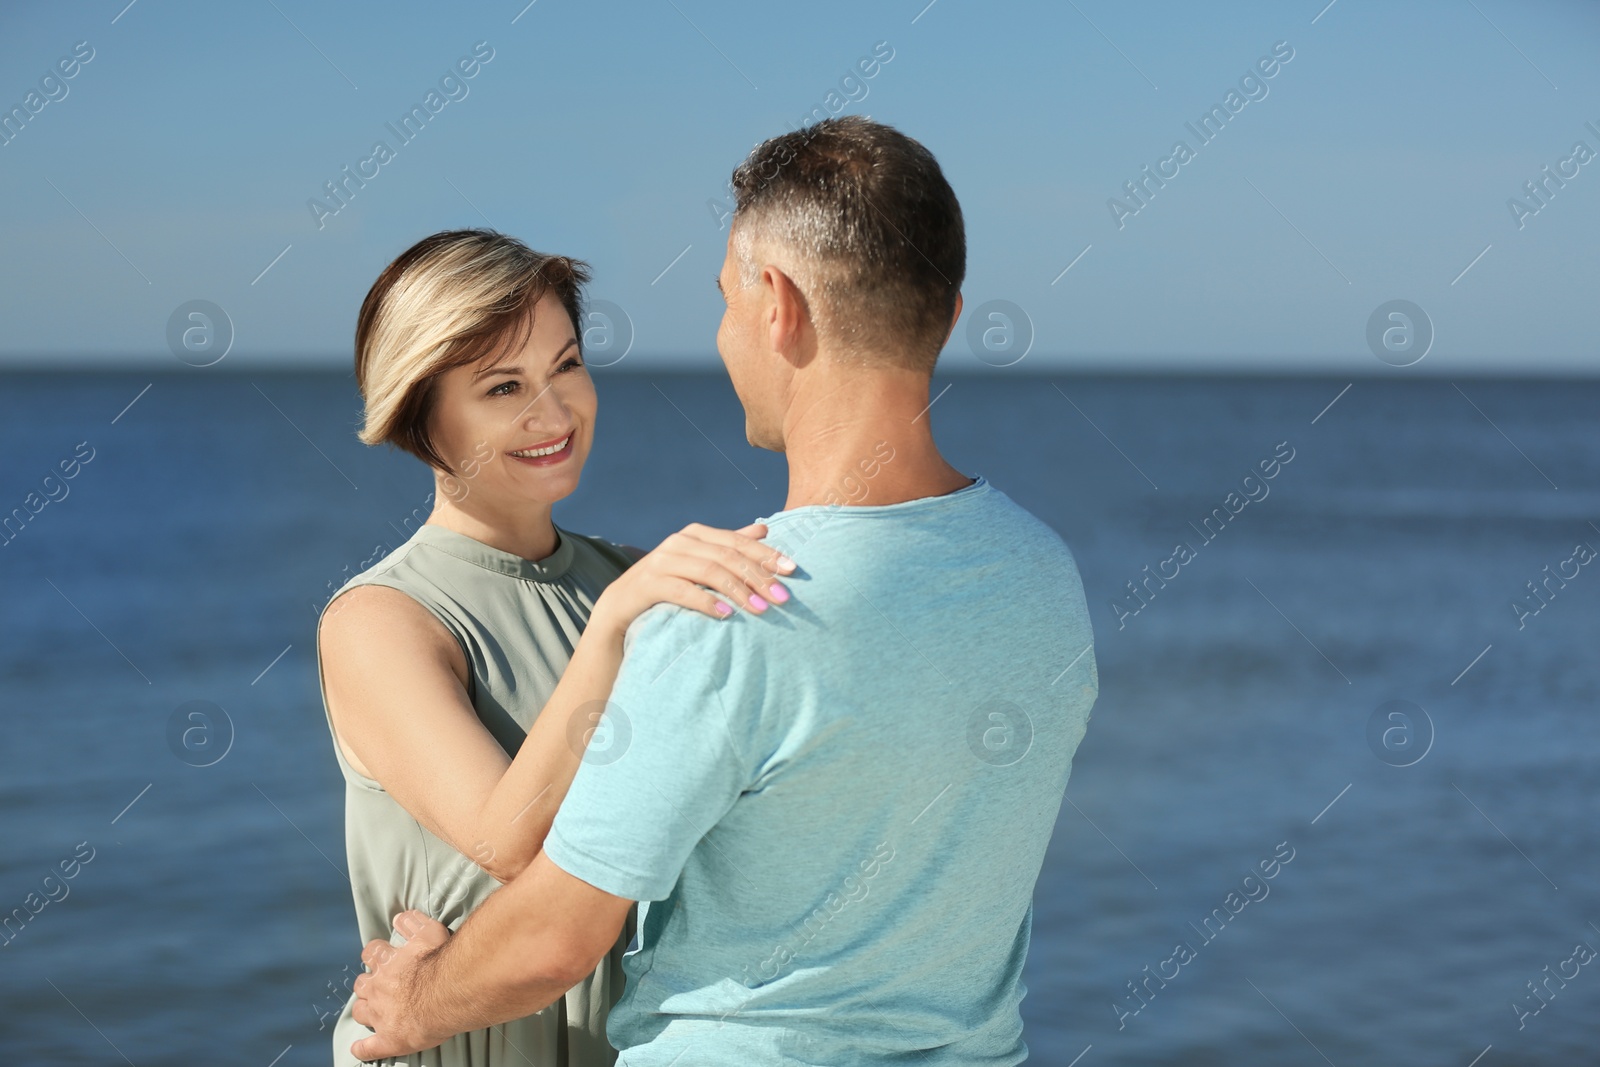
(1337, 802)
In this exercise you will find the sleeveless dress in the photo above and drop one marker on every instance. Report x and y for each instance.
(517, 621)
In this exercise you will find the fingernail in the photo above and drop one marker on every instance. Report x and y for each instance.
(779, 593)
(723, 609)
(756, 603)
(785, 563)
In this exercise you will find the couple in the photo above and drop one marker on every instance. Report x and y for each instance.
(834, 742)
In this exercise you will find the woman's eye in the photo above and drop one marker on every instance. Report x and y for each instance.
(504, 389)
(574, 362)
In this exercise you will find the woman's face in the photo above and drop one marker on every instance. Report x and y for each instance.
(492, 419)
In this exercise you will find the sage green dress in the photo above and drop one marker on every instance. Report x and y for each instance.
(518, 621)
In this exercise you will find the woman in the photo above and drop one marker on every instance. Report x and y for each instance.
(439, 665)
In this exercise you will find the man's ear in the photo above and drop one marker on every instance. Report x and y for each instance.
(953, 320)
(789, 315)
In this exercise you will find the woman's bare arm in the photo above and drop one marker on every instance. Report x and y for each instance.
(395, 681)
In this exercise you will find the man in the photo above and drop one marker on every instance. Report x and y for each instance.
(834, 819)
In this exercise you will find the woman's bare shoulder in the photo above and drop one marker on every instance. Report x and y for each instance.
(379, 648)
(384, 616)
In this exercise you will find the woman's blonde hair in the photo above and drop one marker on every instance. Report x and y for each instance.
(451, 299)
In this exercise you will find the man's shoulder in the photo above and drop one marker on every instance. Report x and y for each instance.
(652, 621)
(1005, 528)
(987, 525)
(667, 629)
(999, 506)
(671, 649)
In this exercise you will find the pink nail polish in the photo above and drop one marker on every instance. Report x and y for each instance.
(779, 593)
(756, 603)
(723, 609)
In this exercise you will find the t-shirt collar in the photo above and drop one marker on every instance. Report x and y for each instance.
(979, 485)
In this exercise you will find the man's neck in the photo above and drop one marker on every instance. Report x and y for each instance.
(864, 439)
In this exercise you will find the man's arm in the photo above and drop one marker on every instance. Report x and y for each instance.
(544, 931)
(534, 938)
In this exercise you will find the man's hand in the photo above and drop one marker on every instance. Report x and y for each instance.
(386, 997)
(536, 937)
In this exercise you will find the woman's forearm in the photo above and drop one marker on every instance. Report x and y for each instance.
(690, 569)
(517, 815)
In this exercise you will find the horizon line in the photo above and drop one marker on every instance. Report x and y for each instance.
(1102, 367)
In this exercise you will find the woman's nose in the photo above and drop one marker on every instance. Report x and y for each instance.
(546, 410)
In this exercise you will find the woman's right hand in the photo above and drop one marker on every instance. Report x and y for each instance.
(690, 568)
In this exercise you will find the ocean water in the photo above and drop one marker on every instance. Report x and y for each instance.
(1424, 869)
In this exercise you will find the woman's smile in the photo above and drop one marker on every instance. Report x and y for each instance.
(548, 454)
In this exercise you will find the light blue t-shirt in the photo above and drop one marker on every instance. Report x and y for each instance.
(837, 810)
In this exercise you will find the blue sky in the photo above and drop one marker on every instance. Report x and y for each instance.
(1377, 166)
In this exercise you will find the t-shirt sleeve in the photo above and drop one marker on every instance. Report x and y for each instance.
(669, 758)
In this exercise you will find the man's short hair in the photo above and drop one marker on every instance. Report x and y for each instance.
(861, 217)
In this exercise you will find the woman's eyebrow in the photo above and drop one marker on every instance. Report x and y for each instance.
(500, 369)
(497, 369)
